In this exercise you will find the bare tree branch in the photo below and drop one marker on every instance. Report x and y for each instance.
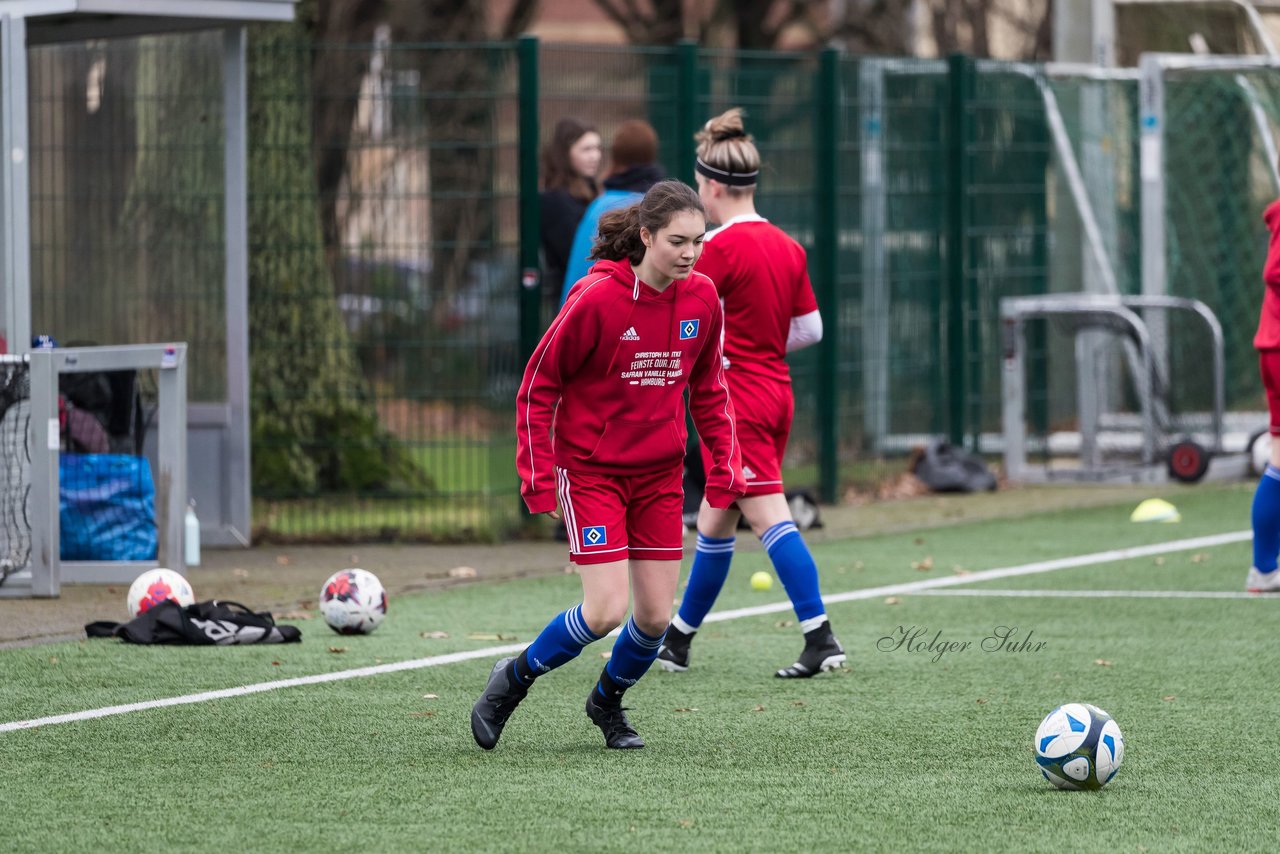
(879, 26)
(520, 17)
(628, 16)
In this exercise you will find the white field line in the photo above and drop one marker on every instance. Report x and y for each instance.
(1103, 594)
(993, 574)
(488, 652)
(259, 687)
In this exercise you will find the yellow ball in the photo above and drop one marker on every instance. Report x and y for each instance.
(761, 581)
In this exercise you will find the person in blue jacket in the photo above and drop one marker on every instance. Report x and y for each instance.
(633, 169)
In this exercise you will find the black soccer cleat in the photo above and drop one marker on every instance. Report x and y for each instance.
(612, 720)
(673, 656)
(822, 652)
(500, 698)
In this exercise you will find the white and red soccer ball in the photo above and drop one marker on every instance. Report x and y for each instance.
(353, 602)
(155, 586)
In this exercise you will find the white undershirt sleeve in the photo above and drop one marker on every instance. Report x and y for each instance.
(806, 330)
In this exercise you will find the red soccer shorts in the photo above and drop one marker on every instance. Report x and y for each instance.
(1269, 362)
(611, 517)
(763, 410)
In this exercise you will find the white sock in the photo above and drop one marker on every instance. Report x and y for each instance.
(812, 623)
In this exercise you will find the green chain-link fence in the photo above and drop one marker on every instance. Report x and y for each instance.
(923, 190)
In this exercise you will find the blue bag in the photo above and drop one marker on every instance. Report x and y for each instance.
(107, 507)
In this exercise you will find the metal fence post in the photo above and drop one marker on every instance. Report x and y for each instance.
(824, 264)
(687, 122)
(960, 129)
(530, 211)
(15, 186)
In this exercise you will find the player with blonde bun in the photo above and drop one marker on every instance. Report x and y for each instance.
(762, 278)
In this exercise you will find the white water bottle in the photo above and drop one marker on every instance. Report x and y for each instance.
(192, 536)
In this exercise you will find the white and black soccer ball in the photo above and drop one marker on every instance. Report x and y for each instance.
(353, 602)
(155, 586)
(1079, 746)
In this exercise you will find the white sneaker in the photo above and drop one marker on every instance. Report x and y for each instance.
(1262, 582)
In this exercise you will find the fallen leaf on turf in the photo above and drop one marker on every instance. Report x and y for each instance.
(240, 573)
(433, 635)
(431, 696)
(283, 560)
(1199, 557)
(1170, 698)
(606, 655)
(686, 823)
(797, 702)
(462, 572)
(758, 709)
(489, 636)
(892, 600)
(337, 649)
(782, 624)
(53, 659)
(1159, 561)
(296, 615)
(857, 564)
(960, 570)
(275, 664)
(981, 702)
(919, 541)
(1102, 662)
(686, 710)
(923, 565)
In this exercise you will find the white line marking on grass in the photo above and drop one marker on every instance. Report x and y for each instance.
(452, 658)
(258, 688)
(1104, 594)
(992, 574)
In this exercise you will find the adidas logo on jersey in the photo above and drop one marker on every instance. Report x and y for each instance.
(748, 473)
(630, 335)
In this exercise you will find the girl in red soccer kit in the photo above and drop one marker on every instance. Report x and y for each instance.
(1262, 576)
(769, 310)
(601, 429)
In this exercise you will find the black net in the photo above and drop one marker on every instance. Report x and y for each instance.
(15, 466)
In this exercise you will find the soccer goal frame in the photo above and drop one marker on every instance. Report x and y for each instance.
(46, 572)
(1078, 178)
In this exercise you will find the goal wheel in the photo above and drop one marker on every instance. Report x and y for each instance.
(1188, 461)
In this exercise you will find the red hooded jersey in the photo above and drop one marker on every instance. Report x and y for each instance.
(604, 390)
(762, 277)
(1268, 337)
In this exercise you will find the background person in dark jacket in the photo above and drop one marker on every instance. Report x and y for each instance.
(570, 163)
(633, 169)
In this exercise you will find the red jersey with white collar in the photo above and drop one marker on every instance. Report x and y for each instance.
(608, 379)
(1268, 337)
(763, 281)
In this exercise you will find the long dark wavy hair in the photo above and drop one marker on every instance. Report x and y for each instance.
(557, 170)
(619, 230)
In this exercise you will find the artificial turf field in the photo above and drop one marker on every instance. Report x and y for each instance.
(903, 751)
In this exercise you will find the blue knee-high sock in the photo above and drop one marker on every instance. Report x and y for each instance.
(633, 652)
(710, 568)
(797, 571)
(1266, 520)
(560, 642)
